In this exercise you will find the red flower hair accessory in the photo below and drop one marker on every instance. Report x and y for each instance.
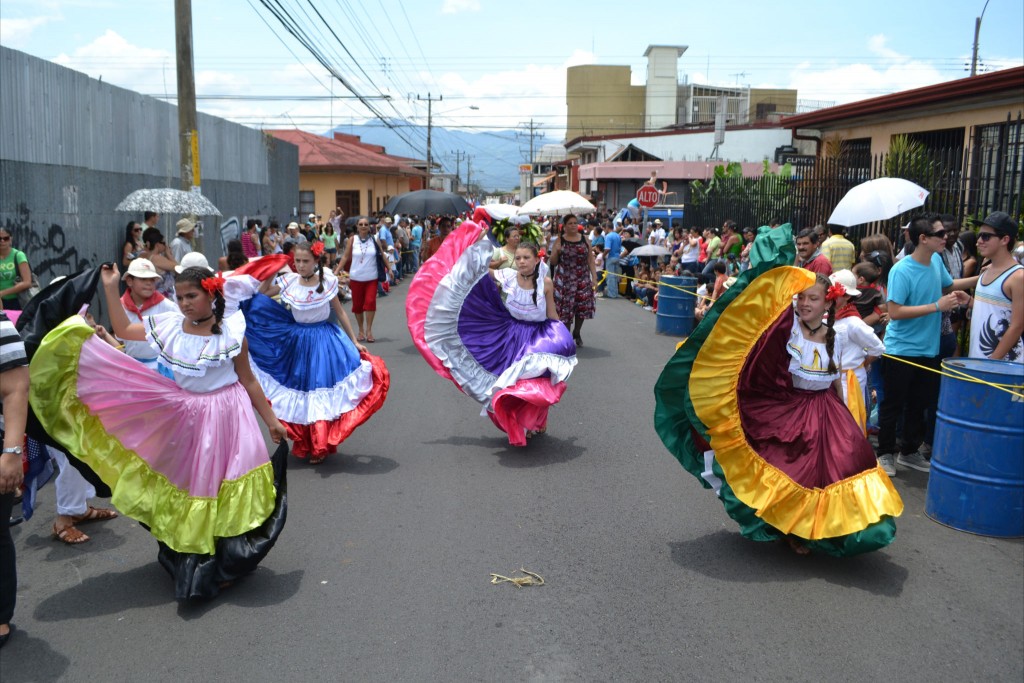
(317, 249)
(834, 292)
(213, 284)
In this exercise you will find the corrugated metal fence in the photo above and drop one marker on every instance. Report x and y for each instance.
(72, 147)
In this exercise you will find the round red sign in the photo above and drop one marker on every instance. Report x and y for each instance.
(647, 196)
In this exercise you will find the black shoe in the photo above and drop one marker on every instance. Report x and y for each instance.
(7, 636)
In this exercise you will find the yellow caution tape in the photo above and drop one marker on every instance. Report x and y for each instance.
(956, 374)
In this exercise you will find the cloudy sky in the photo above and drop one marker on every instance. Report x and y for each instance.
(498, 64)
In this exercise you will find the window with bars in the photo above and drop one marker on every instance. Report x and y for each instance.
(997, 168)
(307, 202)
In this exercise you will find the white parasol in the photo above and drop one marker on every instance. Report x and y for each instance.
(557, 203)
(877, 200)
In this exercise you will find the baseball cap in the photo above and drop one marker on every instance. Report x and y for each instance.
(1001, 222)
(185, 225)
(193, 259)
(142, 267)
(847, 279)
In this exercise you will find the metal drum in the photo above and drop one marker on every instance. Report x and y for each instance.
(977, 474)
(675, 307)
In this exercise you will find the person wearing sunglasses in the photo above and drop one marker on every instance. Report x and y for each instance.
(997, 321)
(920, 290)
(133, 246)
(15, 273)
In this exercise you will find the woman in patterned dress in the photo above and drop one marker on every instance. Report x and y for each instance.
(575, 277)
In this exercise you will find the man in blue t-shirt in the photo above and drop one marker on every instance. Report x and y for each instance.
(415, 244)
(612, 251)
(920, 290)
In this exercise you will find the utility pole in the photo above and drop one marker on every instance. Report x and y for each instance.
(188, 127)
(469, 175)
(977, 31)
(459, 156)
(532, 127)
(430, 112)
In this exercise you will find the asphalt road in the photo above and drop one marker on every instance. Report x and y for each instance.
(382, 573)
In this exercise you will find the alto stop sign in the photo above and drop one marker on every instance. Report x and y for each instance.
(647, 196)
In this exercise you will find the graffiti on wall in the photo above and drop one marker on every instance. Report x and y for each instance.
(230, 229)
(50, 252)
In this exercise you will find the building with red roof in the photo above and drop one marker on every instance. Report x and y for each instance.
(345, 172)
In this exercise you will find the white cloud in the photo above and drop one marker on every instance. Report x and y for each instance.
(890, 72)
(142, 69)
(18, 32)
(510, 97)
(456, 6)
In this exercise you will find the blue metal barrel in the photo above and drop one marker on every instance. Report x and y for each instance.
(977, 475)
(675, 307)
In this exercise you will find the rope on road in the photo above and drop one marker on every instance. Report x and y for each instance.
(604, 274)
(531, 579)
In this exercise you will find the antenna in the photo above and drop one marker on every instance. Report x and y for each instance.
(740, 75)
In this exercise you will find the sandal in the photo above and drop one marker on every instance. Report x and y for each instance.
(361, 337)
(798, 547)
(370, 339)
(316, 459)
(69, 534)
(95, 515)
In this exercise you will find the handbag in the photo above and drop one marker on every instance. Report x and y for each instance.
(382, 264)
(25, 295)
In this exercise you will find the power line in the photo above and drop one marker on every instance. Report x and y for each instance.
(288, 21)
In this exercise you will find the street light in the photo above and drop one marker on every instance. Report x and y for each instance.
(977, 30)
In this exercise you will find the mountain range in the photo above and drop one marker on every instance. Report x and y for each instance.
(493, 156)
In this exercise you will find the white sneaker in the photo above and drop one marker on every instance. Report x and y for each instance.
(648, 308)
(886, 463)
(914, 461)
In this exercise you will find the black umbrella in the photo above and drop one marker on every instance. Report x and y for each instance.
(630, 245)
(426, 202)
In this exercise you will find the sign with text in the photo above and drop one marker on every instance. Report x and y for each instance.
(647, 196)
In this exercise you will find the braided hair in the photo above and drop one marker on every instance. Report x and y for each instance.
(195, 276)
(532, 248)
(830, 332)
(307, 247)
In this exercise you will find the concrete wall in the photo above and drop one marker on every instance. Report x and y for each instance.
(71, 148)
(662, 86)
(600, 101)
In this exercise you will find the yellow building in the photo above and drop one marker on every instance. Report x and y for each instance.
(347, 173)
(601, 100)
